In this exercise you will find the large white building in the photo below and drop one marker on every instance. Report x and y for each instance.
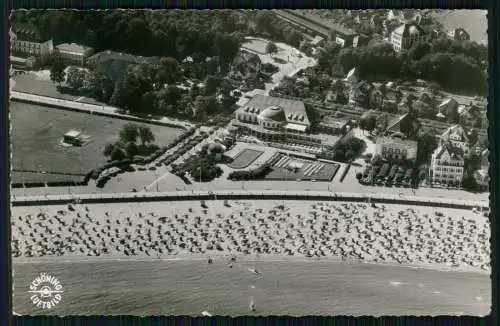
(447, 165)
(403, 37)
(396, 147)
(457, 136)
(275, 113)
(282, 123)
(27, 41)
(73, 54)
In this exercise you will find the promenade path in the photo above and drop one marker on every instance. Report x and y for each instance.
(91, 108)
(214, 195)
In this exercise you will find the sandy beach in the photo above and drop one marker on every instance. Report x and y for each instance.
(240, 235)
(352, 231)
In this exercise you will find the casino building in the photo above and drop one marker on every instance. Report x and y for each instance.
(279, 122)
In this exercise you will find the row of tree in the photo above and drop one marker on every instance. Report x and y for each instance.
(163, 33)
(453, 64)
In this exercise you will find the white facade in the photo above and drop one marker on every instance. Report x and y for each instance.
(447, 165)
(395, 148)
(405, 36)
(73, 54)
(39, 49)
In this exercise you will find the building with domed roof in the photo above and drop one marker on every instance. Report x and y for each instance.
(403, 37)
(272, 117)
(280, 122)
(275, 113)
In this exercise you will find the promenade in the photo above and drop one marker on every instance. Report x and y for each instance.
(241, 195)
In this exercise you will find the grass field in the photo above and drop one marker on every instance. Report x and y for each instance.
(37, 130)
(245, 158)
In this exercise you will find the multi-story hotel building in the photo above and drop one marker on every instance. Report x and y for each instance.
(73, 54)
(27, 41)
(403, 37)
(396, 147)
(447, 165)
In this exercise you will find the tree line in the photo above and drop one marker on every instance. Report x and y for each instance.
(455, 65)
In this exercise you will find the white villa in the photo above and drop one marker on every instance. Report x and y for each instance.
(447, 165)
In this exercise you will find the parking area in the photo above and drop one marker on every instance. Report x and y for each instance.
(389, 175)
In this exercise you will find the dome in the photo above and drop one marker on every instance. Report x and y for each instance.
(216, 148)
(398, 134)
(413, 30)
(274, 113)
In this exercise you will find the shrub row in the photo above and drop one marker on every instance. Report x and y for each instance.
(255, 174)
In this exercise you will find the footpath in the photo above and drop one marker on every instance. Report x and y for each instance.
(242, 195)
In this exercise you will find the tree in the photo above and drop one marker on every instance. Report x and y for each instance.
(118, 154)
(264, 22)
(293, 38)
(57, 73)
(108, 149)
(368, 122)
(227, 47)
(271, 48)
(146, 135)
(168, 71)
(212, 83)
(75, 78)
(131, 149)
(427, 143)
(419, 50)
(129, 133)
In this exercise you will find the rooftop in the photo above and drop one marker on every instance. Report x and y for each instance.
(453, 151)
(295, 111)
(27, 33)
(408, 29)
(72, 133)
(73, 48)
(395, 140)
(455, 129)
(112, 55)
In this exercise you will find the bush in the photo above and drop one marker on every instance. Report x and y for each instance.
(256, 174)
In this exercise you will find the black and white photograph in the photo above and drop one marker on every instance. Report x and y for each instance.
(249, 162)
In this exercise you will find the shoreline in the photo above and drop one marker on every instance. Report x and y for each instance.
(223, 258)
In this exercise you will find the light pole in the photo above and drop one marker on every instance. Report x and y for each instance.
(157, 186)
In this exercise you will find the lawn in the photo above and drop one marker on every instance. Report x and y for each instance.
(245, 158)
(310, 170)
(31, 83)
(37, 131)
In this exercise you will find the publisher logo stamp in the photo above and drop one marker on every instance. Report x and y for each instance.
(46, 291)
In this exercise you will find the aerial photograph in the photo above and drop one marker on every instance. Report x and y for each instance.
(249, 162)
